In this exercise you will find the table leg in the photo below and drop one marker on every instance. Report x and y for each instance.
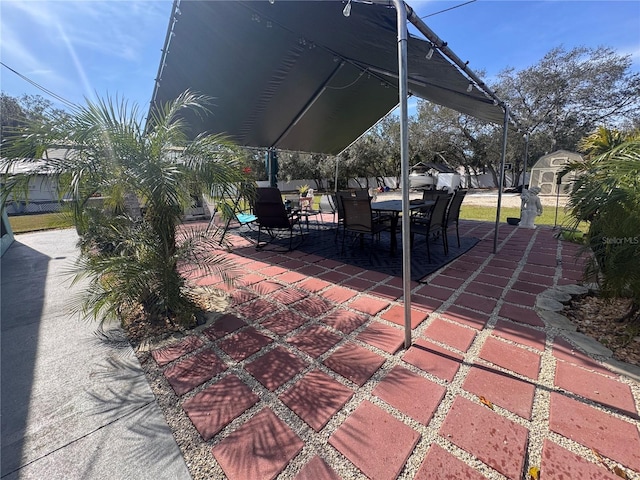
(394, 227)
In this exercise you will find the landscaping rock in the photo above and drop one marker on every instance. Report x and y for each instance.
(546, 303)
(623, 368)
(556, 294)
(554, 319)
(590, 345)
(573, 289)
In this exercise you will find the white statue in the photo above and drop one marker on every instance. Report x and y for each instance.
(531, 207)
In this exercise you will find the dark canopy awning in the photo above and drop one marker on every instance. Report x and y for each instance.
(299, 75)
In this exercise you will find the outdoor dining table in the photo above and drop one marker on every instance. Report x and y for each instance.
(394, 207)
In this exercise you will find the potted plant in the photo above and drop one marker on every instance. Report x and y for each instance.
(303, 190)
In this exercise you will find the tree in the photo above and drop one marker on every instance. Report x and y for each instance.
(564, 96)
(18, 112)
(133, 259)
(607, 196)
(311, 166)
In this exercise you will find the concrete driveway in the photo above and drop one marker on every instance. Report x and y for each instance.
(73, 405)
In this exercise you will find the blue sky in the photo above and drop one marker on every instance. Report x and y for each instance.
(78, 49)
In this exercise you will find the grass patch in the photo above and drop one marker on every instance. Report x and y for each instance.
(488, 214)
(44, 221)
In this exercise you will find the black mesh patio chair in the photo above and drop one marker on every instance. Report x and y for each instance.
(273, 218)
(359, 219)
(328, 205)
(432, 226)
(361, 194)
(453, 214)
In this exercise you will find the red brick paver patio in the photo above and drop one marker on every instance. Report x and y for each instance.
(306, 375)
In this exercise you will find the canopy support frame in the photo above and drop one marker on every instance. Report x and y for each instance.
(401, 16)
(505, 133)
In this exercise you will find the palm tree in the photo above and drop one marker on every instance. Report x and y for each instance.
(607, 196)
(132, 256)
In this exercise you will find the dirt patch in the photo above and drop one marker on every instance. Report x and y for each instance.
(145, 333)
(610, 321)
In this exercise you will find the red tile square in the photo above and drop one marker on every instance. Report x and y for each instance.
(244, 344)
(365, 438)
(172, 352)
(511, 357)
(559, 463)
(433, 359)
(266, 286)
(436, 292)
(612, 437)
(256, 310)
(500, 263)
(467, 317)
(450, 333)
(398, 282)
(250, 279)
(603, 390)
(260, 448)
(387, 292)
(238, 297)
(530, 277)
(502, 389)
(410, 393)
(445, 281)
(563, 350)
(313, 306)
(313, 284)
(492, 280)
(315, 340)
(384, 337)
(520, 298)
(358, 283)
(332, 276)
(474, 302)
(272, 271)
(495, 440)
(370, 305)
(283, 322)
(344, 320)
(339, 294)
(216, 406)
(292, 264)
(275, 367)
(354, 363)
(316, 397)
(317, 469)
(330, 264)
(427, 304)
(528, 287)
(458, 271)
(396, 315)
(290, 277)
(547, 271)
(350, 270)
(520, 334)
(484, 289)
(376, 276)
(521, 315)
(288, 295)
(195, 370)
(441, 465)
(224, 326)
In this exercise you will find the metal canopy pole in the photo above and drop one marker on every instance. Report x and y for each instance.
(404, 162)
(501, 179)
